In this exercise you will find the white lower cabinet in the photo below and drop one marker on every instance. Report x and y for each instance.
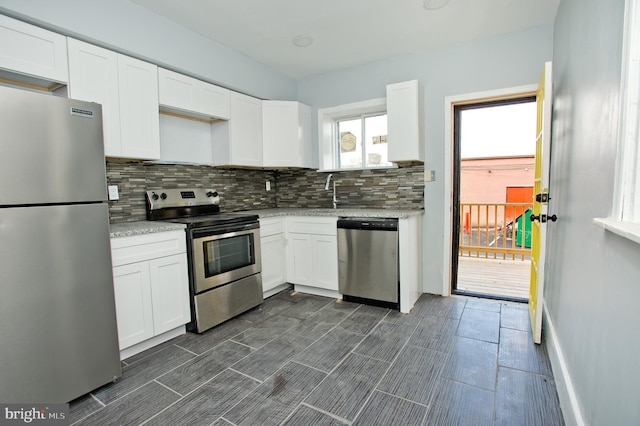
(312, 253)
(273, 249)
(151, 289)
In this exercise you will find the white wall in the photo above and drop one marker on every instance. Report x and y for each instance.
(592, 291)
(128, 28)
(500, 62)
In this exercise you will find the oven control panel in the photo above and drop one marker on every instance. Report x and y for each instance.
(168, 198)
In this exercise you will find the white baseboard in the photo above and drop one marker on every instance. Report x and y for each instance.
(154, 341)
(564, 386)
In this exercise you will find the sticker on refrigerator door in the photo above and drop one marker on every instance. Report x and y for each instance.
(81, 112)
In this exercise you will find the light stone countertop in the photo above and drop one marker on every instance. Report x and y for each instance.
(117, 230)
(142, 227)
(369, 213)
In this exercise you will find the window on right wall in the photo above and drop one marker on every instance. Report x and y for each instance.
(625, 218)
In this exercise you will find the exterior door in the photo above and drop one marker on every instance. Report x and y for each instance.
(540, 206)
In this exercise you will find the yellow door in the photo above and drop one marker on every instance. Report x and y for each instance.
(541, 192)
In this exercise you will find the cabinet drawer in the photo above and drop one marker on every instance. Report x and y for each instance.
(137, 248)
(312, 225)
(271, 226)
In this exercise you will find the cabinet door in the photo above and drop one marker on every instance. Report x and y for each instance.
(280, 139)
(132, 288)
(169, 292)
(273, 252)
(138, 90)
(325, 258)
(403, 118)
(93, 77)
(33, 51)
(245, 132)
(300, 259)
(177, 90)
(213, 100)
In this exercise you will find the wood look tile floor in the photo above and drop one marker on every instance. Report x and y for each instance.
(300, 359)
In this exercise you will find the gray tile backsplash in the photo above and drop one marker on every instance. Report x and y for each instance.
(244, 189)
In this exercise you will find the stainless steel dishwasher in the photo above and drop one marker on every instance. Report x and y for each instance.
(368, 261)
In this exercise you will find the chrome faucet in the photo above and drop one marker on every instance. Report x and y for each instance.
(326, 187)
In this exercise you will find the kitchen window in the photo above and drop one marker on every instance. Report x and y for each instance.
(354, 136)
(625, 218)
(362, 141)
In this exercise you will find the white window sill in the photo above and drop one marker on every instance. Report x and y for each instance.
(628, 230)
(357, 169)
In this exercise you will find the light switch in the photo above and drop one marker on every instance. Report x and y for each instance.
(268, 186)
(113, 192)
(429, 175)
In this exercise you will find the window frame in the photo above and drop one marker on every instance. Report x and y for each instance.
(328, 153)
(362, 117)
(625, 215)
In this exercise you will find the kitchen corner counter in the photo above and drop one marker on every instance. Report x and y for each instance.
(142, 227)
(385, 213)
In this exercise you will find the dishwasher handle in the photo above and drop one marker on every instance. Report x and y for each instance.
(372, 224)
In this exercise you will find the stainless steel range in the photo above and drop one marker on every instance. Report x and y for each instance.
(223, 252)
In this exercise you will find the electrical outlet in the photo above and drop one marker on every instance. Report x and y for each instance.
(268, 186)
(113, 192)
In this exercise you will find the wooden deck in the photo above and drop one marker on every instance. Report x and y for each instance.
(494, 276)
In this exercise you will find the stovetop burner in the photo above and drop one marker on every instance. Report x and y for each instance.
(196, 208)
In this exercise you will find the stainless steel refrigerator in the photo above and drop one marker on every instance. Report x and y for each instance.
(58, 335)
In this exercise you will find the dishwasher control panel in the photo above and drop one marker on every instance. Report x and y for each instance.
(369, 223)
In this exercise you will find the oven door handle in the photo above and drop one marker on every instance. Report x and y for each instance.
(210, 231)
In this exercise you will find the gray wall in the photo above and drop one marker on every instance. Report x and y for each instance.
(500, 62)
(593, 277)
(128, 28)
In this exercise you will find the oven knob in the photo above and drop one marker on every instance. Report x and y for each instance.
(163, 196)
(154, 196)
(212, 194)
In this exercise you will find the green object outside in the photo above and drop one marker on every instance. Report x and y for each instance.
(524, 229)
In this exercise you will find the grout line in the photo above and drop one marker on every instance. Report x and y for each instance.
(165, 386)
(320, 410)
(246, 375)
(403, 399)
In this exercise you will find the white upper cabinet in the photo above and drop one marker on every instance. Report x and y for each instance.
(286, 134)
(93, 77)
(32, 51)
(192, 97)
(139, 121)
(404, 122)
(238, 142)
(127, 88)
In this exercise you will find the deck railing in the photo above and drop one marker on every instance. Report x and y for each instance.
(495, 230)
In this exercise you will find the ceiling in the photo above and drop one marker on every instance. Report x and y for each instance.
(347, 33)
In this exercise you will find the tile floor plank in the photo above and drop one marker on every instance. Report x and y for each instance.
(414, 374)
(526, 399)
(480, 325)
(473, 362)
(202, 368)
(265, 361)
(273, 401)
(207, 403)
(328, 351)
(383, 410)
(142, 372)
(347, 388)
(459, 404)
(136, 408)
